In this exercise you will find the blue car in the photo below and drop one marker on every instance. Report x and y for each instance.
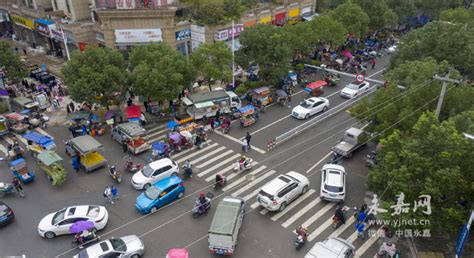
(159, 194)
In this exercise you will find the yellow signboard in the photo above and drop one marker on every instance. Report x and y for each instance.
(23, 21)
(294, 12)
(266, 19)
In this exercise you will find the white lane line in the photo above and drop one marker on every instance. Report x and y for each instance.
(353, 237)
(151, 129)
(264, 211)
(236, 173)
(319, 162)
(213, 176)
(215, 158)
(156, 139)
(320, 229)
(293, 204)
(177, 155)
(370, 241)
(265, 127)
(10, 141)
(157, 133)
(300, 213)
(376, 73)
(221, 148)
(43, 132)
(240, 180)
(318, 215)
(253, 183)
(254, 205)
(196, 153)
(240, 142)
(332, 94)
(343, 227)
(3, 149)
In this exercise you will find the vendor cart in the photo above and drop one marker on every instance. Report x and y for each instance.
(132, 133)
(159, 150)
(46, 142)
(247, 117)
(180, 140)
(17, 122)
(3, 126)
(314, 89)
(260, 96)
(79, 117)
(20, 170)
(88, 150)
(50, 162)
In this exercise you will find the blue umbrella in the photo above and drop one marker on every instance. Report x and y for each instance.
(81, 226)
(171, 124)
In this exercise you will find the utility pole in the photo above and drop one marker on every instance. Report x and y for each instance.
(445, 81)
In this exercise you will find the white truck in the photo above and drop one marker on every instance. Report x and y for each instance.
(353, 139)
(225, 226)
(207, 103)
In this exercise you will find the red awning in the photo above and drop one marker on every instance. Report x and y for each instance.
(280, 16)
(133, 111)
(316, 84)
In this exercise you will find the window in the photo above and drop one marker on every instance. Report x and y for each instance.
(158, 171)
(55, 2)
(68, 6)
(166, 168)
(66, 222)
(284, 191)
(171, 188)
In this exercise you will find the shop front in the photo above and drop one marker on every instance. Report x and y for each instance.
(60, 38)
(24, 28)
(293, 14)
(280, 18)
(183, 41)
(265, 17)
(198, 36)
(3, 23)
(126, 38)
(229, 33)
(43, 30)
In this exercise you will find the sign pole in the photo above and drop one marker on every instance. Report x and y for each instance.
(463, 235)
(233, 56)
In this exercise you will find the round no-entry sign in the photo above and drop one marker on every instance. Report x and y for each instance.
(360, 78)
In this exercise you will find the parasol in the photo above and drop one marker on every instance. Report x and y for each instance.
(281, 93)
(175, 136)
(81, 226)
(347, 54)
(171, 124)
(109, 115)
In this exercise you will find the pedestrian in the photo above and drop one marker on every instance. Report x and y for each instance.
(17, 184)
(373, 62)
(75, 162)
(211, 121)
(218, 114)
(108, 194)
(124, 146)
(68, 109)
(24, 51)
(360, 229)
(289, 100)
(114, 192)
(245, 146)
(361, 216)
(247, 138)
(142, 119)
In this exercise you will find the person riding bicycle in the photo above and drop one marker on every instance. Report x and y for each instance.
(114, 171)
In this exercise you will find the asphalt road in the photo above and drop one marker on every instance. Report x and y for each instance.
(262, 234)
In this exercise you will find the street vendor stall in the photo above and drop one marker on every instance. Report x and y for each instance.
(247, 117)
(44, 141)
(88, 150)
(16, 122)
(314, 89)
(133, 114)
(133, 135)
(20, 170)
(50, 162)
(180, 140)
(21, 103)
(3, 126)
(79, 117)
(260, 96)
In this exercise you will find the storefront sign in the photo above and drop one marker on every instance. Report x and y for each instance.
(44, 27)
(226, 34)
(294, 13)
(183, 34)
(58, 35)
(82, 46)
(99, 37)
(27, 23)
(266, 19)
(250, 23)
(138, 36)
(198, 36)
(131, 4)
(305, 10)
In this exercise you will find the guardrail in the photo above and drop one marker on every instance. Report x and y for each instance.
(319, 118)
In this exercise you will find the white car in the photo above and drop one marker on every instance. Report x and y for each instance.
(310, 107)
(333, 183)
(278, 193)
(154, 172)
(127, 246)
(354, 88)
(58, 223)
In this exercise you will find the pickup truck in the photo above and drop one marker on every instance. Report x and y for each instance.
(353, 139)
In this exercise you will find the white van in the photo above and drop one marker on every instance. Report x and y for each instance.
(333, 247)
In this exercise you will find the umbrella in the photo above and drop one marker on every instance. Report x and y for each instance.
(109, 115)
(159, 146)
(171, 124)
(81, 226)
(175, 136)
(281, 93)
(347, 54)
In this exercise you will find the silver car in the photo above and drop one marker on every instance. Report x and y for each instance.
(127, 246)
(278, 193)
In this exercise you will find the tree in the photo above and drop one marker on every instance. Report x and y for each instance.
(328, 30)
(433, 8)
(215, 12)
(95, 75)
(160, 72)
(402, 8)
(458, 15)
(378, 12)
(354, 19)
(432, 158)
(15, 69)
(268, 46)
(441, 41)
(302, 38)
(213, 61)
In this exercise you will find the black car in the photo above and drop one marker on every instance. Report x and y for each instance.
(6, 214)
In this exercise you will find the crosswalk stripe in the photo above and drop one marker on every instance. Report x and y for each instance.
(156, 139)
(254, 182)
(156, 133)
(353, 237)
(254, 205)
(223, 171)
(156, 128)
(293, 204)
(10, 141)
(264, 211)
(300, 213)
(213, 176)
(3, 149)
(372, 239)
(320, 229)
(205, 156)
(43, 132)
(215, 158)
(196, 153)
(177, 155)
(240, 180)
(236, 173)
(343, 227)
(318, 215)
(252, 194)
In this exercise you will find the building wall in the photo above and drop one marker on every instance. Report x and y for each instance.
(80, 9)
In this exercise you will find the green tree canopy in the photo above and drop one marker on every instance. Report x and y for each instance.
(95, 75)
(159, 71)
(213, 61)
(215, 12)
(433, 158)
(302, 38)
(354, 19)
(458, 15)
(378, 12)
(328, 30)
(402, 8)
(433, 8)
(441, 41)
(15, 69)
(268, 46)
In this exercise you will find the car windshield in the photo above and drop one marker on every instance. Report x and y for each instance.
(152, 193)
(118, 245)
(83, 254)
(353, 86)
(93, 211)
(147, 171)
(3, 209)
(333, 189)
(306, 104)
(58, 216)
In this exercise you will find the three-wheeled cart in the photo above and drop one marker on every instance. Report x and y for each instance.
(16, 122)
(39, 142)
(88, 150)
(260, 96)
(3, 126)
(132, 133)
(50, 162)
(247, 117)
(20, 170)
(314, 89)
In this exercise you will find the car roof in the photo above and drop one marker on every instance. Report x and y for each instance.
(77, 211)
(314, 99)
(98, 249)
(276, 184)
(160, 163)
(167, 182)
(334, 177)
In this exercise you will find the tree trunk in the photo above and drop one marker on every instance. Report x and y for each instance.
(209, 82)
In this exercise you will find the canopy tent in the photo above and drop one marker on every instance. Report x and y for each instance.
(133, 111)
(85, 144)
(49, 157)
(247, 109)
(315, 85)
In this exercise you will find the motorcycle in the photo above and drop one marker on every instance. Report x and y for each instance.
(7, 188)
(220, 182)
(388, 250)
(131, 167)
(200, 209)
(371, 160)
(240, 165)
(336, 222)
(187, 171)
(225, 128)
(301, 238)
(80, 240)
(117, 176)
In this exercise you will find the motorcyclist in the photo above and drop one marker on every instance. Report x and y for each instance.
(198, 141)
(114, 172)
(202, 202)
(244, 162)
(339, 215)
(188, 168)
(219, 180)
(302, 231)
(388, 249)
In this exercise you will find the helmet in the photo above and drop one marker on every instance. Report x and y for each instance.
(201, 195)
(112, 167)
(243, 157)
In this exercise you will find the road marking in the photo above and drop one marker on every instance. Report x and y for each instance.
(175, 156)
(264, 211)
(252, 194)
(343, 227)
(10, 141)
(300, 213)
(221, 148)
(254, 205)
(196, 153)
(3, 149)
(318, 214)
(319, 162)
(240, 180)
(240, 142)
(265, 127)
(43, 132)
(254, 182)
(150, 136)
(320, 229)
(370, 241)
(236, 173)
(353, 237)
(215, 158)
(223, 171)
(213, 176)
(157, 128)
(376, 73)
(293, 204)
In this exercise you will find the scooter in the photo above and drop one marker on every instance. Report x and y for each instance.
(79, 240)
(388, 250)
(300, 241)
(225, 128)
(187, 171)
(220, 183)
(117, 176)
(371, 160)
(200, 209)
(239, 165)
(131, 167)
(7, 188)
(336, 223)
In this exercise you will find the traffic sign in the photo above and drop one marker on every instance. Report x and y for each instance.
(461, 240)
(360, 78)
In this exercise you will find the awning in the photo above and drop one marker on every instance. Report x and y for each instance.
(315, 85)
(250, 23)
(187, 101)
(294, 13)
(44, 22)
(133, 111)
(204, 104)
(280, 16)
(309, 17)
